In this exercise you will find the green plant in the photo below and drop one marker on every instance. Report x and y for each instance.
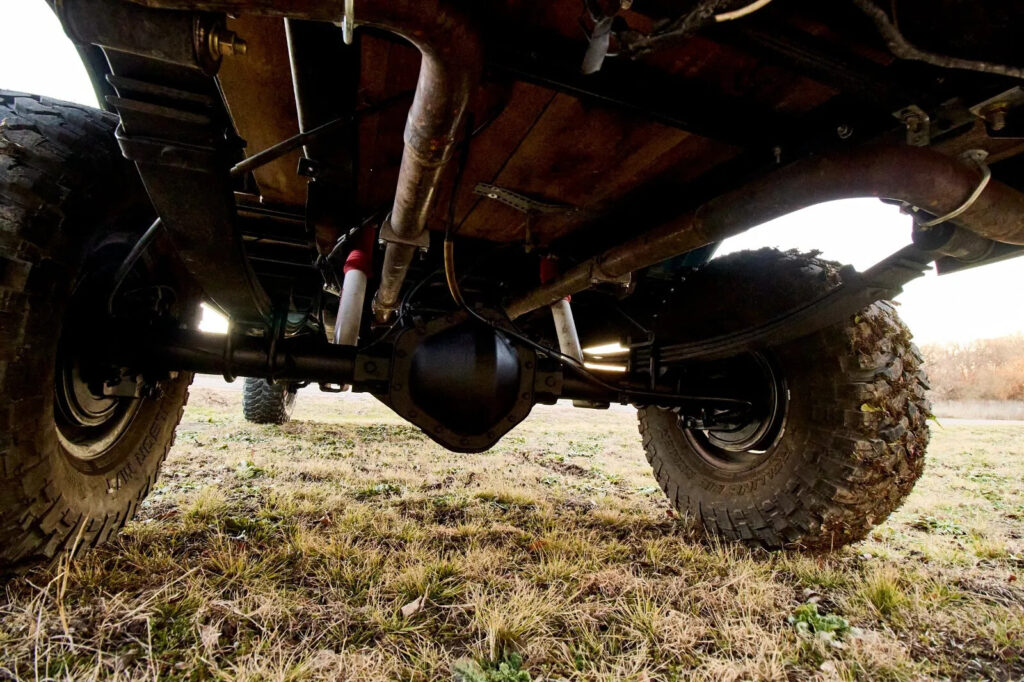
(938, 526)
(246, 470)
(830, 628)
(508, 670)
(385, 489)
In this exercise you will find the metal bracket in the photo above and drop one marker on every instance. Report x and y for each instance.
(547, 384)
(978, 156)
(599, 41)
(918, 125)
(388, 235)
(998, 113)
(315, 169)
(370, 370)
(599, 276)
(522, 202)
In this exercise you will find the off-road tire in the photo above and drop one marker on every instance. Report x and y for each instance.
(267, 403)
(64, 189)
(855, 434)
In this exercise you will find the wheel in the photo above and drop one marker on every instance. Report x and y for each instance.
(267, 403)
(78, 452)
(841, 436)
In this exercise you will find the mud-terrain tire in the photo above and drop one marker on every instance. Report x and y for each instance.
(66, 193)
(855, 430)
(267, 403)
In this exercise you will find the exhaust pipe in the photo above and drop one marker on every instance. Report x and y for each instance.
(931, 181)
(452, 60)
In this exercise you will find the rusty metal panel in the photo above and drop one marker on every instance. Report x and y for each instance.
(584, 156)
(389, 69)
(258, 90)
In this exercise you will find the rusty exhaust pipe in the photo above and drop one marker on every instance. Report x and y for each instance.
(452, 60)
(931, 181)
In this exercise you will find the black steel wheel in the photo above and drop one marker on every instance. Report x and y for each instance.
(78, 450)
(840, 437)
(750, 442)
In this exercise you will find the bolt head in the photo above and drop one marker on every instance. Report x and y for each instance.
(225, 43)
(995, 115)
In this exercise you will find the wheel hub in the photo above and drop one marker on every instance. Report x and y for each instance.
(89, 423)
(747, 445)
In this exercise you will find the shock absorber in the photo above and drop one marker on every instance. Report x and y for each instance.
(561, 311)
(565, 327)
(353, 289)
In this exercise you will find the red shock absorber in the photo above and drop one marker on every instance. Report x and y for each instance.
(353, 288)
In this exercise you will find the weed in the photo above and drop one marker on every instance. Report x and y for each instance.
(938, 526)
(207, 507)
(830, 629)
(507, 670)
(246, 470)
(987, 548)
(882, 591)
(384, 489)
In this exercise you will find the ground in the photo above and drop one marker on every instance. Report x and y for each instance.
(345, 545)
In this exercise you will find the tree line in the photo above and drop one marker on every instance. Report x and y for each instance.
(986, 369)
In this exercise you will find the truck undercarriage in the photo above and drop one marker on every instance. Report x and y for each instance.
(442, 202)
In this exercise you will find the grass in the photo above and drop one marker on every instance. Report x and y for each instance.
(344, 545)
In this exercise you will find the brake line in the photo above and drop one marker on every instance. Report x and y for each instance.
(130, 260)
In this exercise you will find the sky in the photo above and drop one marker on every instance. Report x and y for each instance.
(978, 303)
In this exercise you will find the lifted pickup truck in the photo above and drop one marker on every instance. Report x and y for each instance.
(441, 202)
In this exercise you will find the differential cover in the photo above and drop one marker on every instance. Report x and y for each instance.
(465, 377)
(463, 382)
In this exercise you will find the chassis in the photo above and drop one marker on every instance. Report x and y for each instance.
(442, 202)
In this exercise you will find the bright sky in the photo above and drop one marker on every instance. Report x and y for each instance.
(978, 303)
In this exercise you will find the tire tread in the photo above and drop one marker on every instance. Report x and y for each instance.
(872, 449)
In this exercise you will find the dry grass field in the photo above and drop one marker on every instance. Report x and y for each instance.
(345, 545)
